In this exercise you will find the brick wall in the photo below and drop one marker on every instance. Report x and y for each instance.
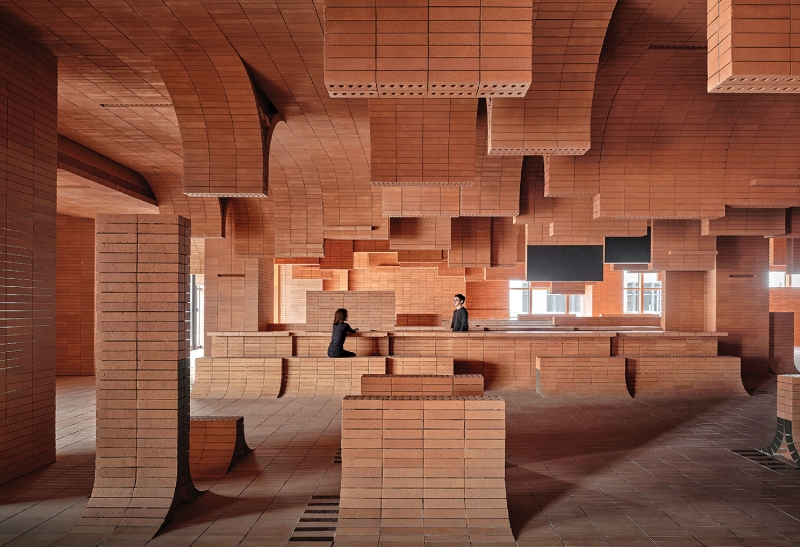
(28, 145)
(75, 290)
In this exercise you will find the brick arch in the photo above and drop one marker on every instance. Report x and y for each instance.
(658, 137)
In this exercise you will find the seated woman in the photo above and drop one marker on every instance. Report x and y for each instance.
(340, 332)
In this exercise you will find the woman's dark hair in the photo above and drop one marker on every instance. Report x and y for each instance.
(340, 316)
(461, 297)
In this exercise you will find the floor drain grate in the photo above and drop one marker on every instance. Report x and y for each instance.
(764, 460)
(318, 521)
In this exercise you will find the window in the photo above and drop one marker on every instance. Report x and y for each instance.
(523, 300)
(641, 292)
(777, 279)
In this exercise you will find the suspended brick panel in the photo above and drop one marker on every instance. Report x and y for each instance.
(75, 295)
(327, 376)
(554, 117)
(654, 158)
(740, 291)
(777, 252)
(253, 227)
(421, 259)
(487, 299)
(419, 233)
(570, 216)
(568, 287)
(418, 291)
(470, 243)
(419, 320)
(539, 234)
(746, 222)
(785, 299)
(750, 47)
(422, 50)
(142, 462)
(237, 377)
(581, 376)
(292, 295)
(28, 256)
(366, 310)
(378, 260)
(792, 256)
(682, 299)
(422, 142)
(452, 483)
(417, 201)
(474, 274)
(237, 297)
(198, 256)
(497, 179)
(517, 273)
(504, 243)
(682, 376)
(338, 255)
(677, 245)
(606, 295)
(781, 343)
(298, 202)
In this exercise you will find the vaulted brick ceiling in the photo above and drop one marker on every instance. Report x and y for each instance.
(616, 101)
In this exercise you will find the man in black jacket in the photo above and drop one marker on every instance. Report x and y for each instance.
(460, 322)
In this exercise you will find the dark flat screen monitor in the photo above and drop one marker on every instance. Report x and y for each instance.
(565, 263)
(628, 250)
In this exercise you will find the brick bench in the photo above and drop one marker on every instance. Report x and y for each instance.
(419, 365)
(581, 376)
(422, 384)
(329, 376)
(237, 378)
(430, 465)
(214, 444)
(783, 444)
(682, 375)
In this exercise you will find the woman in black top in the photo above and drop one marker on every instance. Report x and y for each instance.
(340, 332)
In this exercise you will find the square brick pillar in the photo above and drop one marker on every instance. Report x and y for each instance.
(142, 463)
(783, 444)
(28, 150)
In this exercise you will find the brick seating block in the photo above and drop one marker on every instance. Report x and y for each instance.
(419, 365)
(682, 375)
(581, 376)
(329, 376)
(215, 442)
(422, 384)
(237, 378)
(429, 465)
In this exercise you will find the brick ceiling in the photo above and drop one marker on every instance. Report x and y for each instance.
(182, 93)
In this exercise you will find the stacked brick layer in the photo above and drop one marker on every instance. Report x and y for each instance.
(423, 468)
(215, 442)
(422, 384)
(367, 310)
(781, 342)
(685, 376)
(327, 376)
(238, 377)
(419, 365)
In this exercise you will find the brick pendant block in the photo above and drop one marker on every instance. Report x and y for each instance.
(142, 464)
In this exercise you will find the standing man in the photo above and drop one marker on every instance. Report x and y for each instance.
(460, 322)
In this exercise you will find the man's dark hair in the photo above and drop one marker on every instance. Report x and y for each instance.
(461, 297)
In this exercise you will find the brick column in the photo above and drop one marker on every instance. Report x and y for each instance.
(788, 413)
(683, 301)
(28, 148)
(142, 464)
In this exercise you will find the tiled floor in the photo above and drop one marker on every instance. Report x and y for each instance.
(579, 472)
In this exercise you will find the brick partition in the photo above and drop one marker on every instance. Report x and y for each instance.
(142, 462)
(237, 377)
(781, 342)
(328, 376)
(28, 148)
(433, 466)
